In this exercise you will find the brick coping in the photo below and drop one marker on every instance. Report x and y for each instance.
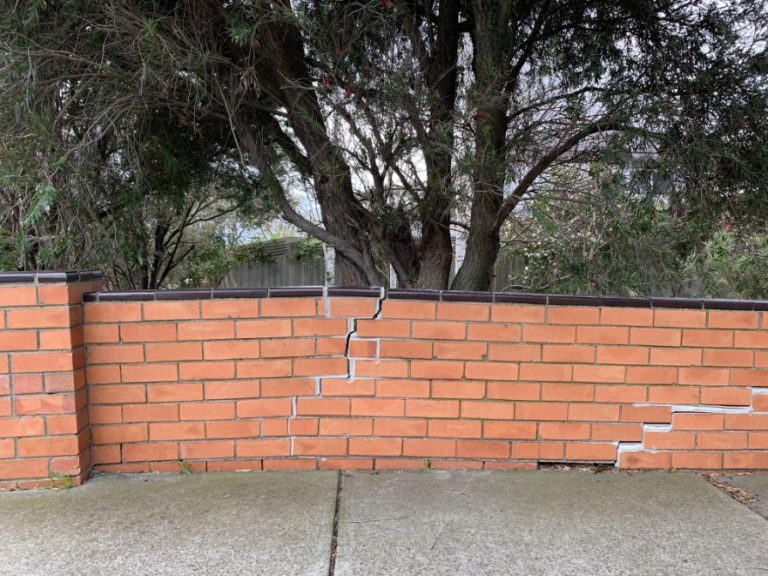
(427, 295)
(43, 277)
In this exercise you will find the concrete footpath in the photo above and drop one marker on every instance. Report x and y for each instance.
(436, 522)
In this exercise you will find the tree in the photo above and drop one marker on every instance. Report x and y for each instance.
(405, 118)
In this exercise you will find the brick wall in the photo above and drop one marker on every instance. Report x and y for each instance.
(303, 379)
(44, 437)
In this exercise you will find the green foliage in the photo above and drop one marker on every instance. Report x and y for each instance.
(307, 249)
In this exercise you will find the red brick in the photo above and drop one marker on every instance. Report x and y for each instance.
(399, 427)
(18, 427)
(746, 422)
(42, 362)
(43, 404)
(207, 410)
(726, 396)
(24, 384)
(432, 408)
(602, 335)
(655, 337)
(512, 390)
(669, 440)
(404, 388)
(288, 347)
(542, 411)
(696, 461)
(363, 348)
(591, 452)
(708, 338)
(264, 368)
(460, 350)
(442, 369)
(567, 392)
(555, 334)
(119, 434)
(112, 312)
(517, 313)
(148, 332)
(458, 389)
(463, 311)
(264, 408)
(760, 402)
(482, 449)
(673, 395)
(350, 387)
(645, 460)
(509, 430)
(150, 451)
(346, 426)
(18, 296)
(256, 448)
(455, 428)
(733, 319)
(102, 375)
(593, 412)
(207, 330)
(495, 332)
(150, 412)
(320, 446)
(18, 340)
(728, 358)
(65, 339)
(106, 454)
(538, 450)
(277, 328)
(412, 310)
(384, 328)
(429, 448)
(573, 315)
(303, 426)
(149, 372)
(226, 389)
(676, 357)
(121, 394)
(177, 431)
(172, 310)
(105, 414)
(703, 376)
(680, 318)
(115, 354)
(230, 308)
(745, 460)
(721, 441)
(697, 421)
(651, 375)
(748, 378)
(290, 307)
(236, 429)
(758, 440)
(491, 371)
(405, 349)
(208, 449)
(618, 432)
(647, 414)
(17, 469)
(51, 446)
(487, 410)
(353, 307)
(546, 372)
(610, 374)
(346, 463)
(568, 353)
(377, 407)
(751, 339)
(228, 350)
(321, 366)
(515, 352)
(626, 317)
(375, 446)
(563, 431)
(322, 407)
(439, 330)
(622, 355)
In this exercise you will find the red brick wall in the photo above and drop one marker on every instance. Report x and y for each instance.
(184, 381)
(316, 382)
(44, 439)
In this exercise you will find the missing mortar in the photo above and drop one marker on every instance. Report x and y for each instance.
(591, 467)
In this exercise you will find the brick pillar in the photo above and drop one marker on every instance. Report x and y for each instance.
(44, 434)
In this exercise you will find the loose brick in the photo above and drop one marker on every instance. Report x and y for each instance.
(320, 327)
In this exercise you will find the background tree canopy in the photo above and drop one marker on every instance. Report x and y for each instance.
(637, 125)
